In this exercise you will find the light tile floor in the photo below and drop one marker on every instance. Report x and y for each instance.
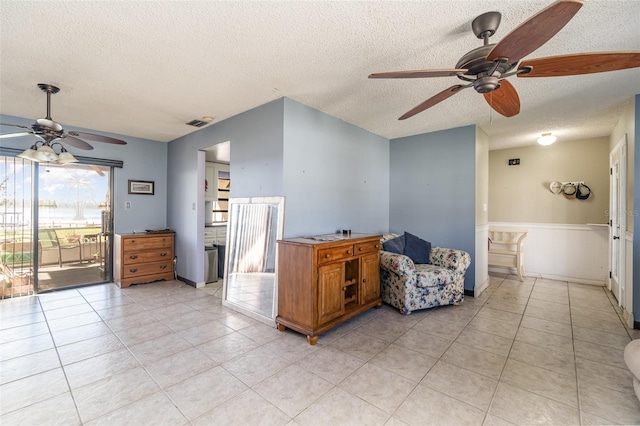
(538, 352)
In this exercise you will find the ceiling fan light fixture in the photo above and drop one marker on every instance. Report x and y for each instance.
(29, 153)
(46, 153)
(66, 157)
(547, 139)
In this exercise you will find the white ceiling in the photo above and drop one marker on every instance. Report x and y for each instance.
(144, 68)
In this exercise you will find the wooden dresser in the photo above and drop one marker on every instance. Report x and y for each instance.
(142, 258)
(325, 280)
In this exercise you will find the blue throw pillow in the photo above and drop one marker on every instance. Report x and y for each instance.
(417, 249)
(395, 245)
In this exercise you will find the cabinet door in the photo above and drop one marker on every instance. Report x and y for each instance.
(330, 292)
(370, 278)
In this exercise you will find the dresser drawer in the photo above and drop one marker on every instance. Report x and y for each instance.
(368, 247)
(334, 253)
(148, 268)
(146, 243)
(139, 256)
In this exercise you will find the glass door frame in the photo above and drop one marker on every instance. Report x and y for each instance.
(112, 164)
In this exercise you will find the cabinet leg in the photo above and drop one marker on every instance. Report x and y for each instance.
(378, 306)
(312, 340)
(281, 327)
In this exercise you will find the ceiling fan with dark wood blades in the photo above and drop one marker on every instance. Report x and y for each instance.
(50, 131)
(487, 67)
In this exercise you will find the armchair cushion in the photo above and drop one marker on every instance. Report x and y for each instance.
(417, 248)
(395, 245)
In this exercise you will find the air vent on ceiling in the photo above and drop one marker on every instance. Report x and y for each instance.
(197, 123)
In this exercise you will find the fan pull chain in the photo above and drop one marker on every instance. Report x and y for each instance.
(491, 110)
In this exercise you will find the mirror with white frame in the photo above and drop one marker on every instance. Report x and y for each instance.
(250, 281)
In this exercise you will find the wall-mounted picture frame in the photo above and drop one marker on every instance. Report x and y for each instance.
(144, 187)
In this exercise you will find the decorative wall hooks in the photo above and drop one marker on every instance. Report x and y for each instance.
(571, 190)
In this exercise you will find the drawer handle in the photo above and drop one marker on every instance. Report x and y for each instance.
(163, 254)
(163, 266)
(359, 248)
(133, 241)
(133, 270)
(344, 289)
(364, 280)
(377, 246)
(133, 256)
(327, 255)
(348, 251)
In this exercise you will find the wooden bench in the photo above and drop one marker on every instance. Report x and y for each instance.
(506, 248)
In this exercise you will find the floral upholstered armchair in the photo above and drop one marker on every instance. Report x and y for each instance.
(410, 286)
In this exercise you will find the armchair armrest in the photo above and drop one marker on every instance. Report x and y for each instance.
(399, 264)
(457, 260)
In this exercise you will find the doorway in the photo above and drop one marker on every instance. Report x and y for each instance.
(617, 221)
(55, 225)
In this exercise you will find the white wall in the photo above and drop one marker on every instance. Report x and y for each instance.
(568, 252)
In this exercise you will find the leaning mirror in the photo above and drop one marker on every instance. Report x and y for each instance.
(249, 286)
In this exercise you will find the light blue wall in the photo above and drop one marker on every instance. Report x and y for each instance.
(433, 189)
(256, 170)
(143, 159)
(336, 175)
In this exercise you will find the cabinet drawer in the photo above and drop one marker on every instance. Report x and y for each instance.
(137, 256)
(334, 253)
(148, 268)
(368, 247)
(146, 243)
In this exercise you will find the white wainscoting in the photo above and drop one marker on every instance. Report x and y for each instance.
(567, 252)
(627, 308)
(481, 260)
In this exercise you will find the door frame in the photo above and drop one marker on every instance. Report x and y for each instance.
(619, 213)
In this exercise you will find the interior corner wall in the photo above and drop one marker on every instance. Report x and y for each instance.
(636, 216)
(336, 175)
(433, 189)
(256, 169)
(482, 211)
(143, 159)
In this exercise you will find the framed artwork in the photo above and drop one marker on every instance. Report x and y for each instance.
(141, 187)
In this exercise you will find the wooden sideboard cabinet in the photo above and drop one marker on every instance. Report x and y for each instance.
(142, 258)
(322, 283)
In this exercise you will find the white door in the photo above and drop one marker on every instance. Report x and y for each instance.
(617, 220)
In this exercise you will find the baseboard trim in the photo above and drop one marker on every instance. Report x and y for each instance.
(528, 274)
(468, 292)
(477, 291)
(636, 325)
(188, 281)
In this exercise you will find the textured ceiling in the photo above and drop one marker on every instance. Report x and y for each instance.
(144, 68)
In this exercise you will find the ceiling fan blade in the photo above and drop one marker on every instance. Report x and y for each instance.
(419, 73)
(96, 169)
(433, 100)
(75, 142)
(535, 31)
(15, 125)
(504, 100)
(585, 63)
(98, 138)
(15, 135)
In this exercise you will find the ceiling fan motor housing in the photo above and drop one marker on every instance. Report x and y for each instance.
(479, 67)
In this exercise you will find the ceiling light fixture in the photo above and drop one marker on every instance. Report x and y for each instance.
(46, 153)
(546, 139)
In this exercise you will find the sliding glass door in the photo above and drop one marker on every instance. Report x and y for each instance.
(74, 224)
(55, 225)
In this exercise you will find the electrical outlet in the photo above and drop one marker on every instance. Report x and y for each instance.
(193, 206)
(514, 161)
(127, 205)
